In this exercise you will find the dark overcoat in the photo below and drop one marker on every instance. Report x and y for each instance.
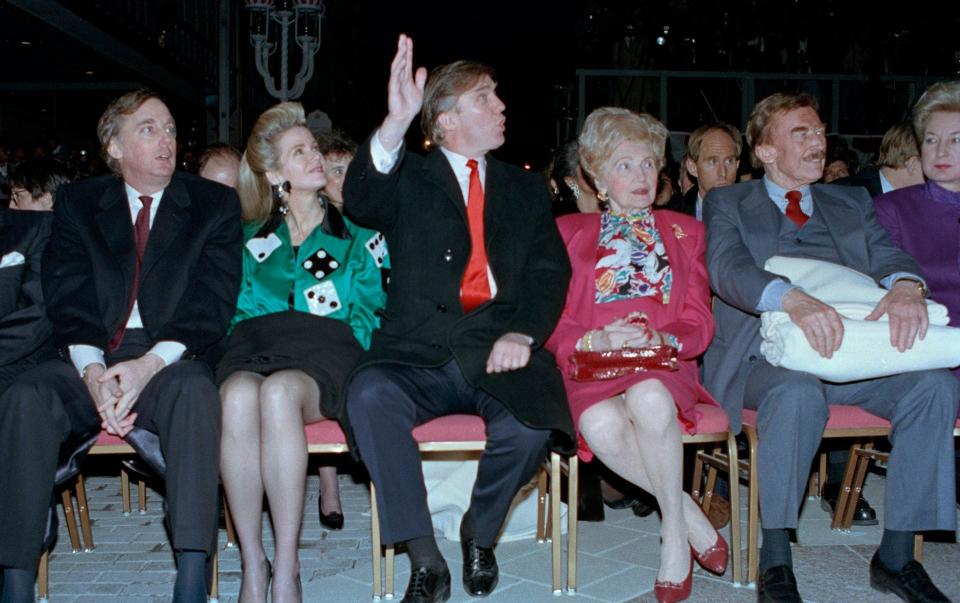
(420, 209)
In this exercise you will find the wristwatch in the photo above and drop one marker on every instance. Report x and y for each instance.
(919, 284)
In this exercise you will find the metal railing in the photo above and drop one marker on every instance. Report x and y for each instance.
(844, 99)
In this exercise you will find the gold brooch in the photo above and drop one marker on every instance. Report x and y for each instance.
(678, 232)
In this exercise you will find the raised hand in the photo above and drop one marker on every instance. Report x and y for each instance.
(404, 94)
(820, 323)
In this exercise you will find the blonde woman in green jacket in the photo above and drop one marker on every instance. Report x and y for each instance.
(312, 282)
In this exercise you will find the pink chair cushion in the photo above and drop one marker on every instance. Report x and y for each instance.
(841, 417)
(106, 439)
(452, 428)
(712, 419)
(325, 432)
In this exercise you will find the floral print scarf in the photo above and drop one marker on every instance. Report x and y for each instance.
(631, 259)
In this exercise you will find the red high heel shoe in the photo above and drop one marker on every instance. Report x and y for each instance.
(714, 559)
(671, 592)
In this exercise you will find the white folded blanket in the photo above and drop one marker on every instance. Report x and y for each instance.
(866, 352)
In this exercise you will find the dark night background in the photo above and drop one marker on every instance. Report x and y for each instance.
(53, 89)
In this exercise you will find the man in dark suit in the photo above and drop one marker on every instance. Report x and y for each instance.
(24, 328)
(474, 293)
(898, 164)
(713, 157)
(140, 279)
(784, 214)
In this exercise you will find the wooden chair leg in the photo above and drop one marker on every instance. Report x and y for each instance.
(733, 467)
(142, 496)
(375, 544)
(856, 485)
(125, 490)
(43, 578)
(388, 573)
(697, 476)
(555, 518)
(231, 531)
(918, 547)
(83, 510)
(573, 487)
(710, 485)
(215, 579)
(753, 513)
(844, 499)
(542, 505)
(70, 520)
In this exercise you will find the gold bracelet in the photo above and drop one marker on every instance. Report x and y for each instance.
(587, 341)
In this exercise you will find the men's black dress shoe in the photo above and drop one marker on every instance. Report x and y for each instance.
(778, 585)
(911, 583)
(480, 571)
(428, 585)
(863, 515)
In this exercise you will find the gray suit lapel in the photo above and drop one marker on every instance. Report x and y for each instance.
(844, 225)
(761, 220)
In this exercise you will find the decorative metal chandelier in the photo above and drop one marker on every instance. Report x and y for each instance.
(266, 17)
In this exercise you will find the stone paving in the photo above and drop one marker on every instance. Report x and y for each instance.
(618, 558)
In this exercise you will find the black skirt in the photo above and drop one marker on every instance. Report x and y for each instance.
(321, 347)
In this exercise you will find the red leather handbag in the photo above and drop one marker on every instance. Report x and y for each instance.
(611, 364)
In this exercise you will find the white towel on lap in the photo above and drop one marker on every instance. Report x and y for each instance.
(866, 352)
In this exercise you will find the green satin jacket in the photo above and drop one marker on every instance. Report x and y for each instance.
(329, 276)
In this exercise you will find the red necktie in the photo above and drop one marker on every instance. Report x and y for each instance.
(141, 232)
(793, 208)
(475, 288)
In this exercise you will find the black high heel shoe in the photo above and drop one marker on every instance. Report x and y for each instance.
(334, 520)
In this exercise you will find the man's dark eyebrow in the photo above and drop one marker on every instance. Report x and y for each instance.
(148, 120)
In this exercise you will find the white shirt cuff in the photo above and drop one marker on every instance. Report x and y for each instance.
(168, 351)
(82, 355)
(383, 159)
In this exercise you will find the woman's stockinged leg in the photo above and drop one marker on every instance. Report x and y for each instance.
(288, 399)
(240, 471)
(637, 436)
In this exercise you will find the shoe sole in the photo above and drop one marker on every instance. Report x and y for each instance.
(879, 586)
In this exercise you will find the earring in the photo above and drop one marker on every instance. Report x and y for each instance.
(278, 191)
(575, 189)
(602, 195)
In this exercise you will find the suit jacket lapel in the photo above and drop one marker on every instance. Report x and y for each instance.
(761, 220)
(439, 172)
(114, 223)
(495, 202)
(171, 217)
(843, 223)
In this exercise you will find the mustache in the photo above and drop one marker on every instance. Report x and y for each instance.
(815, 156)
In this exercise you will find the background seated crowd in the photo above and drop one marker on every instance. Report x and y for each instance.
(207, 318)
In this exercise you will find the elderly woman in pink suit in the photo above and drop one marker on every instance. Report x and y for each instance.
(924, 220)
(630, 262)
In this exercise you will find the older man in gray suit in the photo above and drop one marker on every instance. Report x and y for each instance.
(784, 214)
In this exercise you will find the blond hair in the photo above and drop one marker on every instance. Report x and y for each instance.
(445, 84)
(898, 146)
(257, 201)
(113, 117)
(942, 96)
(607, 128)
(758, 125)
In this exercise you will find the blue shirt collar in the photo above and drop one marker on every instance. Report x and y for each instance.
(778, 195)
